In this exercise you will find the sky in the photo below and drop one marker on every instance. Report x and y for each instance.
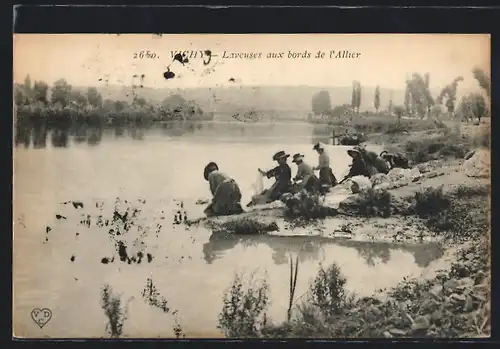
(384, 59)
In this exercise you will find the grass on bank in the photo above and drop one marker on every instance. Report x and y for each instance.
(376, 123)
(431, 145)
(138, 115)
(420, 140)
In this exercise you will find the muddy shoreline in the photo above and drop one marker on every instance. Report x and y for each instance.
(403, 223)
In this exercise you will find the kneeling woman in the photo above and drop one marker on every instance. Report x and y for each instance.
(226, 192)
(395, 160)
(305, 174)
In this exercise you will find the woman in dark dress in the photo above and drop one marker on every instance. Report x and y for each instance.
(358, 166)
(375, 163)
(282, 174)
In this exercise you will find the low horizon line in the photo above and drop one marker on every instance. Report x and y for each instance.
(235, 86)
(240, 86)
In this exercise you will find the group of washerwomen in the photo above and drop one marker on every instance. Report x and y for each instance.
(226, 194)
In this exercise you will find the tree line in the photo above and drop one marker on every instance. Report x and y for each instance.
(62, 103)
(418, 101)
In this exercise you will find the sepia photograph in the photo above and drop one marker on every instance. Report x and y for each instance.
(251, 186)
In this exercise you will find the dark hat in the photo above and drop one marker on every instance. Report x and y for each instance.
(385, 155)
(279, 155)
(297, 157)
(353, 151)
(212, 166)
(318, 146)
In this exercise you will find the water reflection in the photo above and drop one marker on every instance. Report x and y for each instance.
(59, 138)
(34, 134)
(40, 136)
(94, 136)
(119, 130)
(31, 132)
(136, 133)
(80, 135)
(313, 248)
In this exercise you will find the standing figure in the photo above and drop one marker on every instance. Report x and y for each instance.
(305, 174)
(283, 176)
(226, 192)
(326, 177)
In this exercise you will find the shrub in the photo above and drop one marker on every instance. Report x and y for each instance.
(430, 201)
(464, 218)
(373, 123)
(244, 311)
(306, 205)
(421, 149)
(465, 191)
(328, 293)
(444, 142)
(369, 202)
(482, 138)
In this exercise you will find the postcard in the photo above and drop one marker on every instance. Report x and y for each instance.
(251, 186)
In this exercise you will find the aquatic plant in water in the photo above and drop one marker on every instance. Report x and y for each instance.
(153, 297)
(112, 306)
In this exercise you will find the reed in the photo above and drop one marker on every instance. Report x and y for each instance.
(294, 269)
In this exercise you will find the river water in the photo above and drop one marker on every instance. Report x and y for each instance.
(63, 270)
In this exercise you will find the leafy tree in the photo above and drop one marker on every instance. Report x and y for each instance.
(40, 91)
(430, 101)
(399, 111)
(27, 87)
(94, 97)
(120, 106)
(390, 106)
(20, 97)
(321, 103)
(427, 80)
(108, 105)
(472, 106)
(376, 102)
(483, 79)
(174, 101)
(140, 101)
(358, 96)
(78, 99)
(436, 111)
(343, 110)
(61, 92)
(450, 93)
(420, 98)
(407, 102)
(354, 95)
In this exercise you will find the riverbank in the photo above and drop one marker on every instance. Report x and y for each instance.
(113, 113)
(451, 298)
